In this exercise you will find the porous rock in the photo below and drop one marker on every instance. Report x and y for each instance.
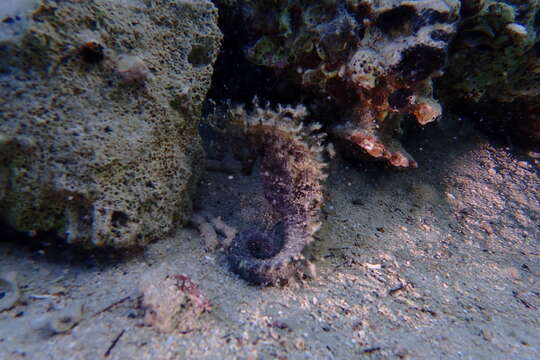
(83, 153)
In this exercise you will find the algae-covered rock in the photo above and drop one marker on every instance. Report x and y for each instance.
(495, 63)
(101, 151)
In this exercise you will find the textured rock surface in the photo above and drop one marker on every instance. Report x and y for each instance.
(495, 63)
(376, 59)
(83, 152)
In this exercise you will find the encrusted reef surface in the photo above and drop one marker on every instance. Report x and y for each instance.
(494, 66)
(376, 60)
(292, 172)
(99, 106)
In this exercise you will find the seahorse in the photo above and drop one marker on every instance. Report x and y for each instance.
(292, 172)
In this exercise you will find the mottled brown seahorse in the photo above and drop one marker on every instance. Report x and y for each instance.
(292, 175)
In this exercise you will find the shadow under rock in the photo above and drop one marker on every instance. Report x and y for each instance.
(46, 246)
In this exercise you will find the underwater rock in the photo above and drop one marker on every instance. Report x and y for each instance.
(87, 149)
(292, 173)
(494, 65)
(377, 59)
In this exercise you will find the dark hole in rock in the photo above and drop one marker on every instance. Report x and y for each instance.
(536, 49)
(420, 61)
(93, 25)
(8, 20)
(396, 18)
(400, 98)
(119, 218)
(471, 7)
(472, 39)
(2, 294)
(311, 60)
(361, 11)
(92, 52)
(484, 48)
(199, 56)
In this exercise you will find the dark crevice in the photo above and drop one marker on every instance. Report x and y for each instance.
(396, 19)
(237, 79)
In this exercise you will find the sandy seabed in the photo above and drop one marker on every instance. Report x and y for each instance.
(441, 262)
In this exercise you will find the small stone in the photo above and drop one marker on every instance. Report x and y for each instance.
(449, 196)
(523, 164)
(373, 266)
(311, 270)
(486, 334)
(487, 228)
(514, 273)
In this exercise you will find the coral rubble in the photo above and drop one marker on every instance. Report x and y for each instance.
(376, 59)
(172, 302)
(99, 106)
(292, 172)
